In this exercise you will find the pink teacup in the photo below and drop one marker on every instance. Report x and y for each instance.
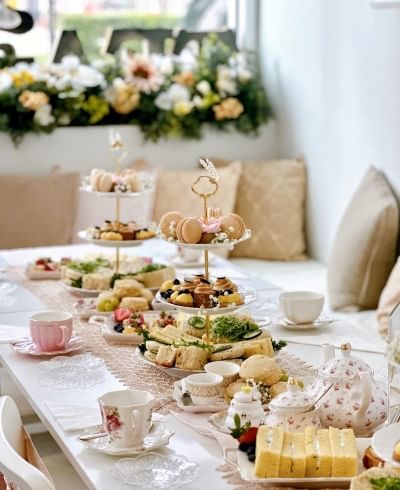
(51, 330)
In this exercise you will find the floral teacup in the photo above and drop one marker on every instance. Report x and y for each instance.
(126, 416)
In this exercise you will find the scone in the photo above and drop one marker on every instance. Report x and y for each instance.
(127, 287)
(261, 368)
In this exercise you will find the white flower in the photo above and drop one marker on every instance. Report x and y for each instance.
(175, 93)
(244, 75)
(198, 102)
(70, 62)
(6, 81)
(226, 83)
(86, 76)
(163, 64)
(43, 115)
(204, 87)
(64, 119)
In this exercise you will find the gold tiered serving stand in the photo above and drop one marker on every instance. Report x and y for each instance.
(248, 294)
(117, 146)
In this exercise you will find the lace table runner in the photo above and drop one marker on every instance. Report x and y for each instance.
(128, 368)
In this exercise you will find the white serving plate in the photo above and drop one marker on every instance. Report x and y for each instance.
(83, 235)
(383, 443)
(35, 274)
(247, 471)
(249, 295)
(192, 408)
(211, 246)
(88, 293)
(174, 372)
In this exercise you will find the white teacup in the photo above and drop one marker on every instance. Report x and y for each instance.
(228, 370)
(204, 388)
(126, 416)
(301, 306)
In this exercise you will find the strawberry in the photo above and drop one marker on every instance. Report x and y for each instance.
(249, 437)
(121, 314)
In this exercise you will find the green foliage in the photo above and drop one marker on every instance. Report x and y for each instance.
(239, 429)
(388, 483)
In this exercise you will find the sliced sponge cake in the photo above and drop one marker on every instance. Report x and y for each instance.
(344, 452)
(269, 444)
(293, 458)
(318, 453)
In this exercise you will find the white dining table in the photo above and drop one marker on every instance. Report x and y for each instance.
(94, 468)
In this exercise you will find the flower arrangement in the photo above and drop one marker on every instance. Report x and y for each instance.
(164, 95)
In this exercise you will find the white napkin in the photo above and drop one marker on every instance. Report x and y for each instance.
(72, 418)
(199, 423)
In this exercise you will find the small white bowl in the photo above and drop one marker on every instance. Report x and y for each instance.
(228, 370)
(301, 306)
(204, 388)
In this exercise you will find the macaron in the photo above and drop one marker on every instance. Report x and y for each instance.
(103, 182)
(233, 225)
(134, 182)
(93, 176)
(189, 230)
(169, 222)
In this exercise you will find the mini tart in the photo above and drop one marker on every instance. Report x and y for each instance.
(207, 238)
(111, 235)
(230, 298)
(127, 232)
(106, 226)
(197, 278)
(166, 285)
(189, 230)
(189, 284)
(184, 298)
(144, 234)
(169, 222)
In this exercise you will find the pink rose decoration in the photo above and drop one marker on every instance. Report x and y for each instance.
(212, 226)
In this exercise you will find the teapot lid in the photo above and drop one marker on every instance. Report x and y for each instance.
(346, 366)
(293, 400)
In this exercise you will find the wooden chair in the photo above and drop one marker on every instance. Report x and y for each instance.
(12, 451)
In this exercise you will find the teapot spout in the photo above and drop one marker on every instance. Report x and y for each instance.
(365, 401)
(328, 353)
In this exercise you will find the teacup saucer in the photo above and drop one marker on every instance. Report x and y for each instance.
(158, 436)
(27, 346)
(191, 407)
(304, 326)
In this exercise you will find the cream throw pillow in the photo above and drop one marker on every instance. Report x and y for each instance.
(390, 297)
(364, 249)
(37, 210)
(174, 192)
(270, 198)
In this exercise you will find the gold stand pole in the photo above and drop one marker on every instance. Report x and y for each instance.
(117, 216)
(208, 329)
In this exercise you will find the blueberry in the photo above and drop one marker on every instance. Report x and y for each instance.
(164, 294)
(251, 450)
(229, 291)
(176, 282)
(118, 328)
(243, 447)
(251, 457)
(184, 291)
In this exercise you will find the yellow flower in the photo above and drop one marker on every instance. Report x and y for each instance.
(33, 100)
(185, 78)
(123, 97)
(182, 107)
(21, 78)
(230, 108)
(96, 107)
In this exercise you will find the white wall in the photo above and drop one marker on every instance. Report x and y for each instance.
(332, 68)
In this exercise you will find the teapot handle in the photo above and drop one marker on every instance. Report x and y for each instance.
(366, 388)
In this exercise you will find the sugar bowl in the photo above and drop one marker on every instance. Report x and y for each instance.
(293, 410)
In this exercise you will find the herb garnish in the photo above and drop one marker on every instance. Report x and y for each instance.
(231, 327)
(89, 266)
(387, 483)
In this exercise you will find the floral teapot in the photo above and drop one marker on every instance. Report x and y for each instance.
(355, 399)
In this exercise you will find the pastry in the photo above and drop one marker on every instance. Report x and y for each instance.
(261, 368)
(209, 228)
(106, 226)
(318, 452)
(136, 304)
(166, 285)
(223, 283)
(230, 297)
(188, 230)
(127, 287)
(127, 232)
(371, 459)
(134, 182)
(93, 177)
(103, 182)
(191, 358)
(166, 356)
(344, 452)
(203, 295)
(169, 222)
(293, 457)
(145, 234)
(183, 298)
(188, 283)
(233, 226)
(147, 295)
(269, 445)
(111, 235)
(197, 278)
(96, 280)
(234, 388)
(277, 388)
(396, 452)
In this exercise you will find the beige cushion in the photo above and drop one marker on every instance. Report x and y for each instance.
(174, 191)
(364, 249)
(37, 210)
(270, 198)
(390, 297)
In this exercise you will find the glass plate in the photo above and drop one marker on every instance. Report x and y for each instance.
(153, 471)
